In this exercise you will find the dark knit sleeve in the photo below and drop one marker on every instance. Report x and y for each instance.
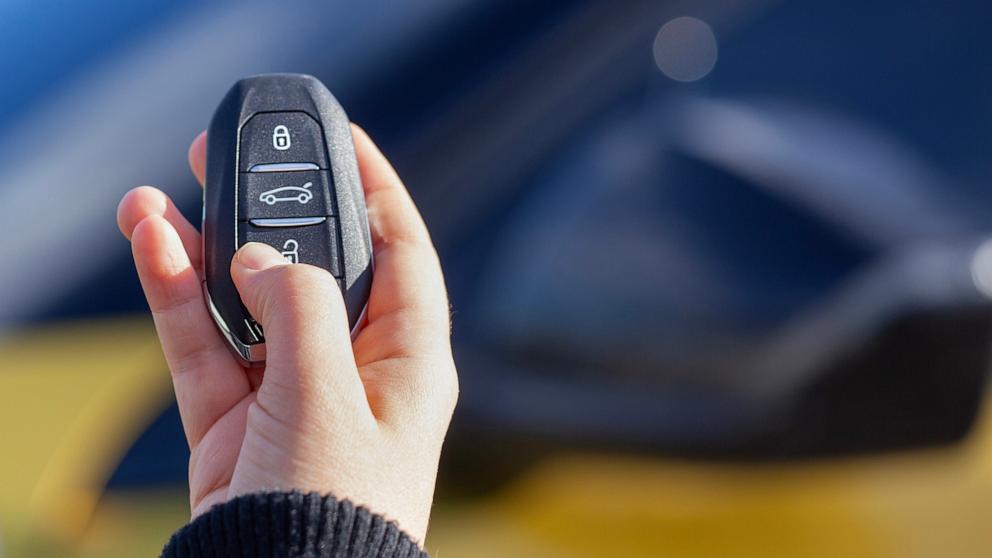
(290, 524)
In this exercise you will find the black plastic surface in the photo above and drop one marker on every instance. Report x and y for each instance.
(319, 133)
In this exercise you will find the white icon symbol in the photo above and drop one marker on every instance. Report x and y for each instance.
(280, 138)
(299, 194)
(291, 251)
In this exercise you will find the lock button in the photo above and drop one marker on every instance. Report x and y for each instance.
(314, 244)
(281, 137)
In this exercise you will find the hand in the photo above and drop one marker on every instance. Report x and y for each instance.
(360, 420)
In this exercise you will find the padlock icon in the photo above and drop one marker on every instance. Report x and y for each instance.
(291, 251)
(280, 138)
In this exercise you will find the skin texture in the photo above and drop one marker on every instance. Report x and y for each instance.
(363, 420)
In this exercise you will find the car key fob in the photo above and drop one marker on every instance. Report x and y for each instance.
(281, 170)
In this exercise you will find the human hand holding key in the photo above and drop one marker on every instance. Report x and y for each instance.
(361, 419)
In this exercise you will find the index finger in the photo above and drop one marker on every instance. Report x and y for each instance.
(198, 157)
(408, 286)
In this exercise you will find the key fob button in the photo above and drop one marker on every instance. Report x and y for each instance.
(314, 244)
(284, 194)
(281, 137)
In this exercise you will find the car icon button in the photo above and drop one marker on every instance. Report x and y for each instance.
(274, 195)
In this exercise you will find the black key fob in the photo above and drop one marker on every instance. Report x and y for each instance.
(281, 170)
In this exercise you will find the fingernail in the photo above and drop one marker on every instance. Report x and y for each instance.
(258, 256)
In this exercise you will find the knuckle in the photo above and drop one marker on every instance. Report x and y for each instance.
(414, 241)
(450, 389)
(295, 279)
(306, 282)
(297, 286)
(437, 388)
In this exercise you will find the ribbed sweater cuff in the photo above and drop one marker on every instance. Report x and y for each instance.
(290, 524)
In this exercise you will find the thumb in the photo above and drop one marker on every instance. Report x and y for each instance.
(301, 310)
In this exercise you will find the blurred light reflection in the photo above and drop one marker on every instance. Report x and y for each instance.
(685, 49)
